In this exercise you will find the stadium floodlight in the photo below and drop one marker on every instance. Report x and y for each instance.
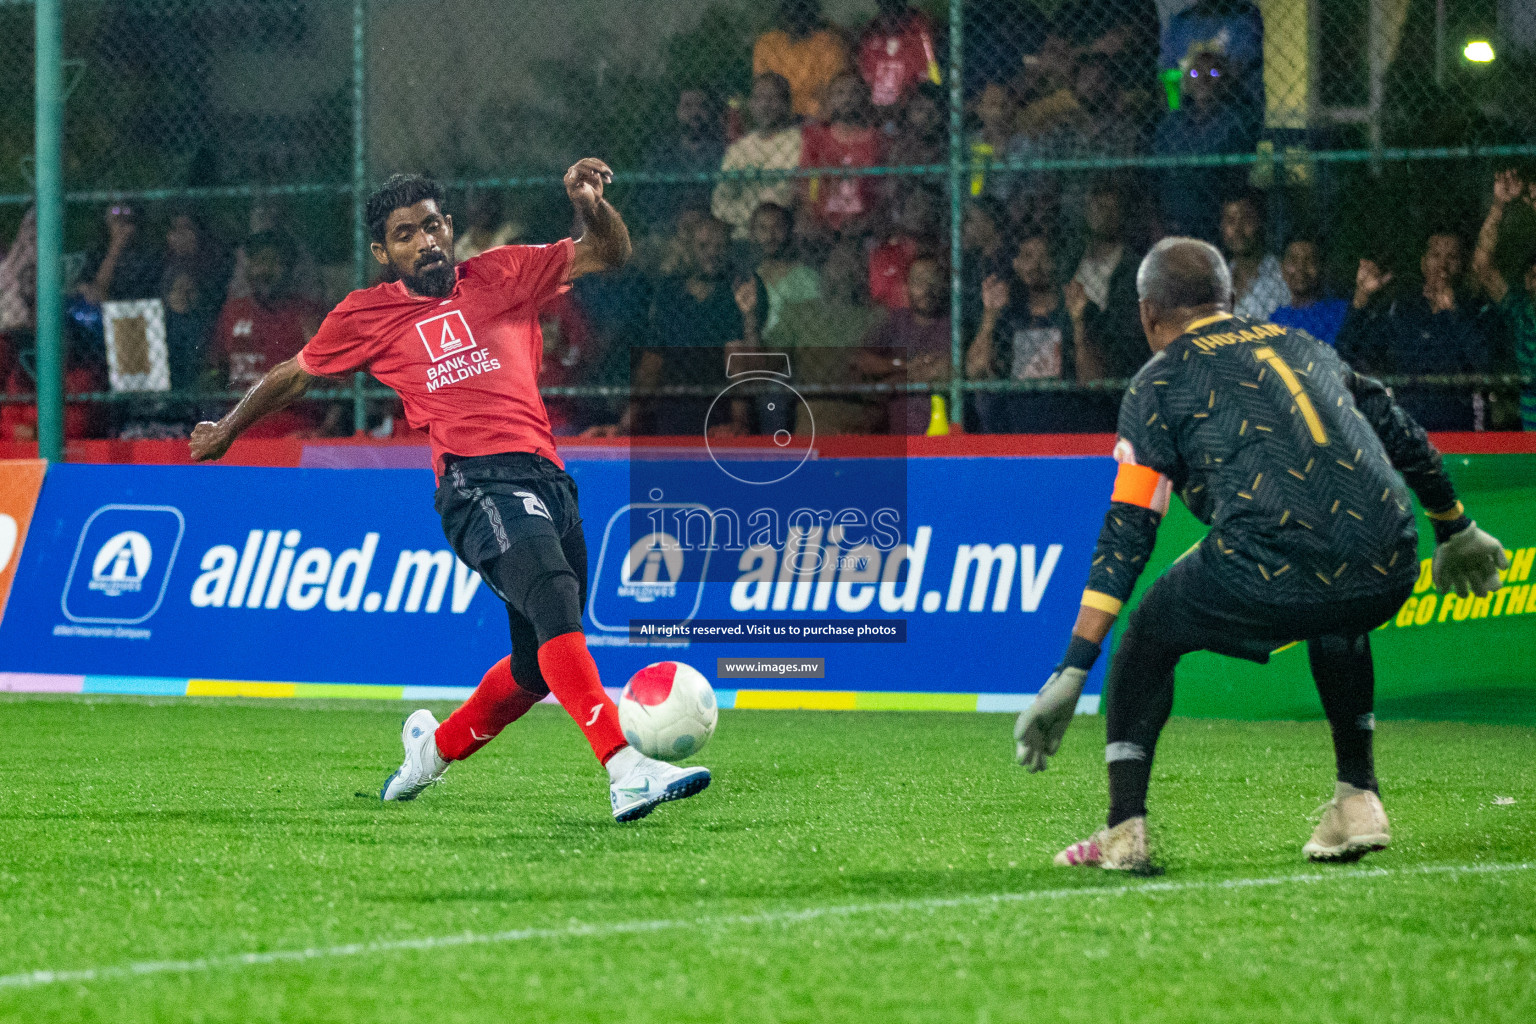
(1478, 51)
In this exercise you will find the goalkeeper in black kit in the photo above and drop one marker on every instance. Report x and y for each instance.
(1297, 464)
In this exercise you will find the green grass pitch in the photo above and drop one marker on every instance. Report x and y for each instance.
(843, 867)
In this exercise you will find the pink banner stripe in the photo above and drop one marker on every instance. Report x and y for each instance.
(36, 682)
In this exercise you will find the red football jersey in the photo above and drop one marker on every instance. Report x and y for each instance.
(838, 200)
(465, 367)
(894, 63)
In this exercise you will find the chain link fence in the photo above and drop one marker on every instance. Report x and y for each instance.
(798, 176)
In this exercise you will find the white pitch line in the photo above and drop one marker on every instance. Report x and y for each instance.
(39, 979)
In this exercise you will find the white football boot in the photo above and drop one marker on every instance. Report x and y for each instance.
(1354, 824)
(637, 784)
(1122, 848)
(423, 764)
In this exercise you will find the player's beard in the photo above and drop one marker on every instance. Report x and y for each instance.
(435, 279)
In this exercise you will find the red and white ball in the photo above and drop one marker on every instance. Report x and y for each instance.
(668, 711)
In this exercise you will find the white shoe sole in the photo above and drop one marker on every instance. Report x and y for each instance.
(692, 784)
(1351, 849)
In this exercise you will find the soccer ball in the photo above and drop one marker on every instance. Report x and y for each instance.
(668, 711)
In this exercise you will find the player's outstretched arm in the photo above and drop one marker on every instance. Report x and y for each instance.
(1125, 543)
(283, 385)
(1467, 559)
(604, 242)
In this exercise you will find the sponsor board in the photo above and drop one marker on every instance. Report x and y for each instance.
(344, 577)
(340, 582)
(20, 482)
(1440, 657)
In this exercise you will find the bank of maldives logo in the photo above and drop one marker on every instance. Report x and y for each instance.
(644, 571)
(446, 335)
(122, 564)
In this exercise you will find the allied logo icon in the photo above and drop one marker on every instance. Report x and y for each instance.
(644, 570)
(122, 564)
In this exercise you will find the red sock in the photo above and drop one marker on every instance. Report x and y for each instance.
(572, 677)
(496, 703)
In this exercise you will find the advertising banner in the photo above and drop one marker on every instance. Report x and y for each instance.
(1440, 658)
(924, 582)
(20, 481)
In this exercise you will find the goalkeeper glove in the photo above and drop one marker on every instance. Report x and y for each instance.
(1468, 560)
(1037, 733)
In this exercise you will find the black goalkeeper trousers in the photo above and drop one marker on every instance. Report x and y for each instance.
(1190, 609)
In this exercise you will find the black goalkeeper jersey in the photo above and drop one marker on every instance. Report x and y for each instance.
(1289, 456)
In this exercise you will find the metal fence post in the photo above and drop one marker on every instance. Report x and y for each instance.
(359, 188)
(48, 24)
(956, 205)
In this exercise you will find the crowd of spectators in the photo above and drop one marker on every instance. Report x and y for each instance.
(793, 250)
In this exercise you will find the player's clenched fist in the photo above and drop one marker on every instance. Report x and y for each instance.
(209, 441)
(585, 180)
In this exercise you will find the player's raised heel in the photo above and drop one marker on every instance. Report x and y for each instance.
(1354, 824)
(423, 764)
(644, 784)
(1122, 848)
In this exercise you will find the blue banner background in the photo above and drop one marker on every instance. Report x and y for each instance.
(318, 516)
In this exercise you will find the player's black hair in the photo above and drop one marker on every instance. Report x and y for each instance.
(1184, 273)
(399, 191)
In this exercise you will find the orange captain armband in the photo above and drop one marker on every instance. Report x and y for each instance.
(1143, 486)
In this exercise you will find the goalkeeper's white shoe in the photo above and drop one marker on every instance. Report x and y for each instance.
(1122, 848)
(639, 784)
(1354, 824)
(423, 764)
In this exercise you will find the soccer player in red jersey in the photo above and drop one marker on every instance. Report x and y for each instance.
(461, 346)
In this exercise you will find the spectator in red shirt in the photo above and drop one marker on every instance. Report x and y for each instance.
(843, 205)
(896, 53)
(914, 233)
(256, 333)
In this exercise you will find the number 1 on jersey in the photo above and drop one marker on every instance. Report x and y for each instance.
(1303, 400)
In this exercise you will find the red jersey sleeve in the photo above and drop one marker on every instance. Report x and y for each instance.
(336, 348)
(526, 275)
